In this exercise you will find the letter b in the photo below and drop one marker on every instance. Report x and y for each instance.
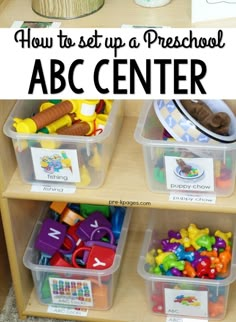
(56, 73)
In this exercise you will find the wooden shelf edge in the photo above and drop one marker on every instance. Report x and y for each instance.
(125, 183)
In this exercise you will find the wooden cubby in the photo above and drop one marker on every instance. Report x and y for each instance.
(125, 179)
(5, 275)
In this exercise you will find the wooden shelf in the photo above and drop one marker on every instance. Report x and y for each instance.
(130, 302)
(125, 180)
(176, 14)
(5, 276)
(126, 12)
(135, 310)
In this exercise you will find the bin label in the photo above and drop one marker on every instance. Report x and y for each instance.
(186, 302)
(189, 174)
(77, 311)
(71, 292)
(55, 165)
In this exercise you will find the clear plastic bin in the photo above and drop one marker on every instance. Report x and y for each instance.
(75, 287)
(181, 296)
(212, 164)
(40, 156)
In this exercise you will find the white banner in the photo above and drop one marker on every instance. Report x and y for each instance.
(121, 63)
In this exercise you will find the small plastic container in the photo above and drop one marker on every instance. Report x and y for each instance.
(66, 9)
(210, 166)
(66, 286)
(186, 297)
(152, 3)
(41, 157)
